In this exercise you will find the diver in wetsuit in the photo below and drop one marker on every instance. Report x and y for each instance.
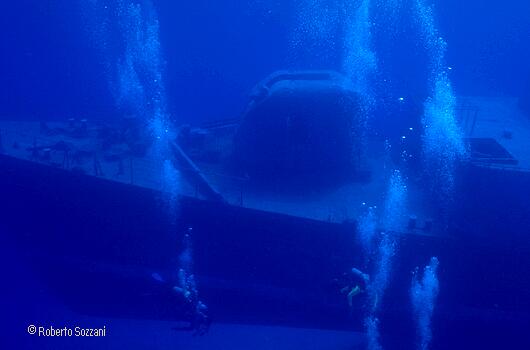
(356, 284)
(186, 290)
(182, 291)
(196, 310)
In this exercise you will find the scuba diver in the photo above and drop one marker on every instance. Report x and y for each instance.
(356, 283)
(196, 310)
(183, 291)
(186, 290)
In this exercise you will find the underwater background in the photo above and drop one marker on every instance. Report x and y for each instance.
(218, 51)
(383, 222)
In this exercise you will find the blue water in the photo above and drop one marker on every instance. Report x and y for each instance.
(431, 251)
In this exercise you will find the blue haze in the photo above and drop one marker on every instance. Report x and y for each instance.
(56, 73)
(191, 62)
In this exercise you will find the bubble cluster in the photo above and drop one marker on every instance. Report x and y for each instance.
(383, 271)
(360, 61)
(367, 228)
(443, 143)
(372, 333)
(396, 204)
(316, 28)
(423, 294)
(140, 69)
(127, 35)
(383, 252)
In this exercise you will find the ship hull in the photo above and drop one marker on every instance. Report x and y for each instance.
(98, 243)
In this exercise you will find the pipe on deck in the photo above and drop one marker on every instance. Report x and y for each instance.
(195, 175)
